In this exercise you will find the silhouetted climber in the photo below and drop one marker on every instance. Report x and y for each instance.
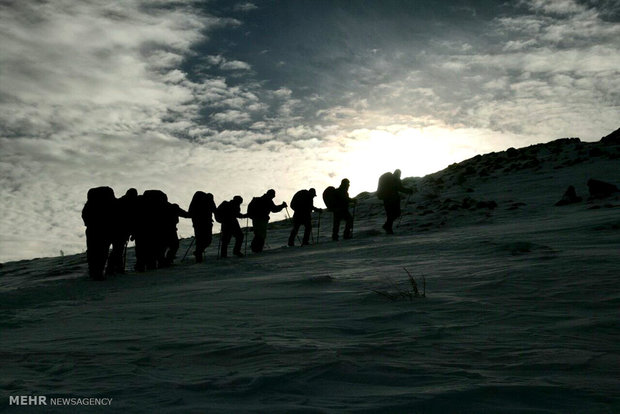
(201, 210)
(303, 206)
(169, 238)
(258, 210)
(337, 200)
(98, 216)
(123, 229)
(227, 213)
(149, 234)
(388, 190)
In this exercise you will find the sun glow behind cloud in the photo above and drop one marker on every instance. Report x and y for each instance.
(365, 154)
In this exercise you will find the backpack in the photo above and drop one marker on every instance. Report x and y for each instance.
(385, 185)
(254, 207)
(100, 194)
(100, 206)
(330, 197)
(297, 200)
(198, 203)
(220, 212)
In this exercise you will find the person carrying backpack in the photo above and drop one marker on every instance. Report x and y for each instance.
(302, 205)
(201, 210)
(337, 200)
(149, 229)
(227, 213)
(388, 190)
(98, 216)
(123, 230)
(169, 239)
(258, 210)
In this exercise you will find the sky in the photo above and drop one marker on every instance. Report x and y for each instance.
(240, 97)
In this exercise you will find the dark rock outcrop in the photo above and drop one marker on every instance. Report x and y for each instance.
(601, 189)
(569, 197)
(612, 139)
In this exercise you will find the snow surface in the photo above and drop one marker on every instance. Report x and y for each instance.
(520, 315)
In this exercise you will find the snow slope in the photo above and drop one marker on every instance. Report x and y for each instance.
(520, 314)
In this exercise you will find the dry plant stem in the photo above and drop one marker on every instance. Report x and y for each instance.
(401, 293)
(416, 292)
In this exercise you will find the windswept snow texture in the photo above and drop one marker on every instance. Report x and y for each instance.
(521, 310)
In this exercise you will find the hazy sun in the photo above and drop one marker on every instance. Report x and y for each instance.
(416, 152)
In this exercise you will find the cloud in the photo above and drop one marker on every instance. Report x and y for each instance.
(245, 7)
(549, 72)
(581, 27)
(231, 117)
(283, 93)
(235, 65)
(560, 7)
(225, 64)
(117, 66)
(93, 94)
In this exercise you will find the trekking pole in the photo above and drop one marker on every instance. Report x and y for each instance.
(219, 243)
(318, 228)
(401, 216)
(288, 216)
(247, 227)
(353, 223)
(190, 246)
(125, 255)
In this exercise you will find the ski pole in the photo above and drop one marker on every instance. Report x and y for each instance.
(288, 216)
(247, 227)
(190, 246)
